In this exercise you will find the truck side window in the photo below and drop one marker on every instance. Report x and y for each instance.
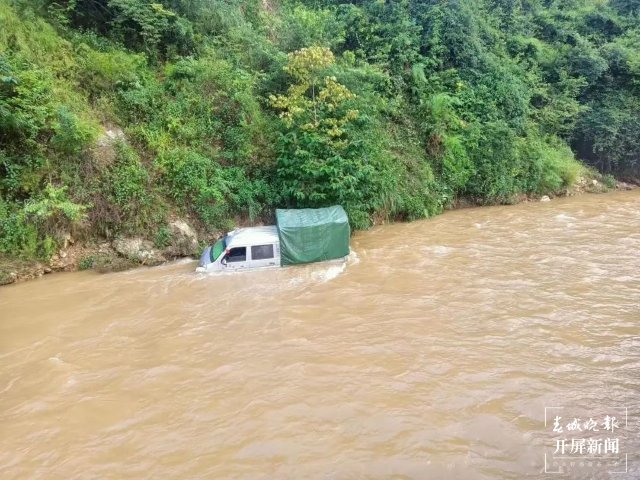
(238, 254)
(261, 252)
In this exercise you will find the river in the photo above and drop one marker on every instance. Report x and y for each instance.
(437, 352)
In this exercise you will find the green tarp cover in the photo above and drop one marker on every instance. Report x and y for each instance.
(312, 234)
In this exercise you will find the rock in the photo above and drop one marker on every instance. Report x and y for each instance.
(545, 199)
(67, 240)
(104, 151)
(47, 269)
(129, 247)
(111, 136)
(60, 262)
(139, 250)
(594, 182)
(38, 270)
(7, 278)
(184, 240)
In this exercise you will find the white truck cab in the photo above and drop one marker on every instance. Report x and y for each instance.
(243, 249)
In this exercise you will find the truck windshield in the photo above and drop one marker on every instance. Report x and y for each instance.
(218, 249)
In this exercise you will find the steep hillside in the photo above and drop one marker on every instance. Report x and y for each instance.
(119, 115)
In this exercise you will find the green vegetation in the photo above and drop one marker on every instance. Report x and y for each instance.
(226, 109)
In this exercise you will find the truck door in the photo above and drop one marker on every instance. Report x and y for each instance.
(235, 259)
(263, 256)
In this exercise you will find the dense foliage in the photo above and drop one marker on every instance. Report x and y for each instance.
(226, 109)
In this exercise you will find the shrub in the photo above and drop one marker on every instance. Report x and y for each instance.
(496, 163)
(213, 192)
(550, 165)
(17, 237)
(86, 263)
(163, 237)
(106, 71)
(609, 181)
(71, 135)
(33, 229)
(129, 204)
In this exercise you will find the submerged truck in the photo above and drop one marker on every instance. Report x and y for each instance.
(300, 236)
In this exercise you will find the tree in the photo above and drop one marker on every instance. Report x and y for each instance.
(321, 160)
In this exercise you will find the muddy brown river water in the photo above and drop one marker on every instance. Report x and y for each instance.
(437, 352)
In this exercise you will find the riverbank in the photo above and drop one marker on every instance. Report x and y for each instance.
(182, 240)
